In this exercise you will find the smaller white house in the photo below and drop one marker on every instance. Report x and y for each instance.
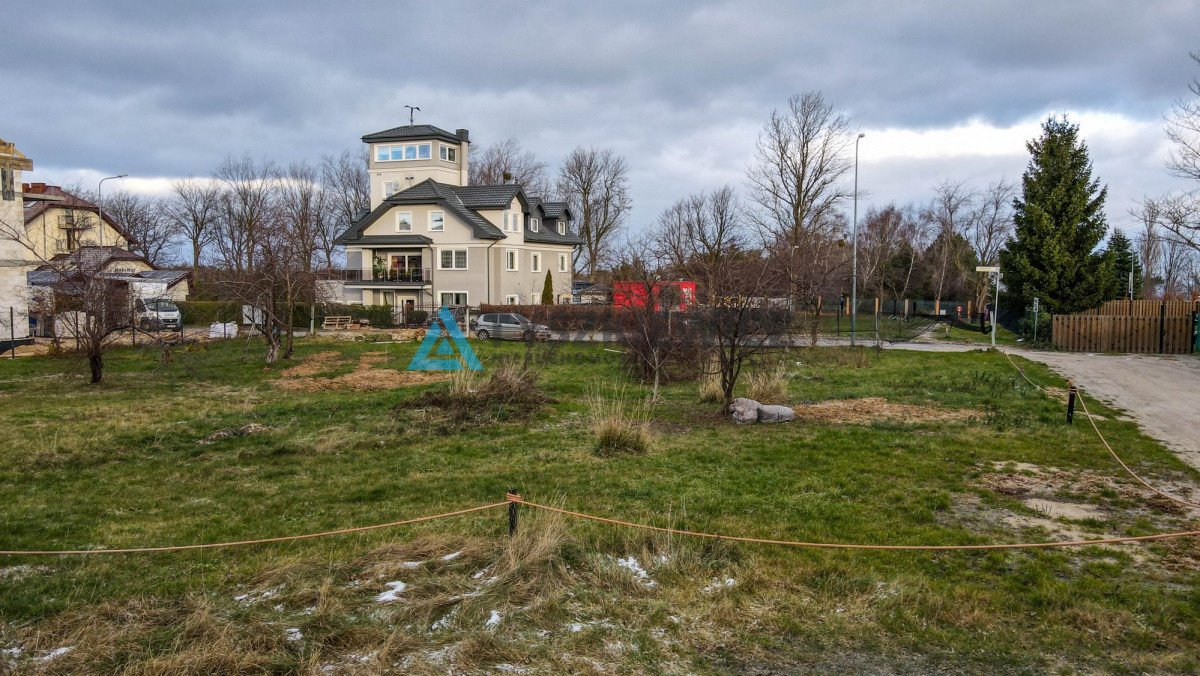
(14, 264)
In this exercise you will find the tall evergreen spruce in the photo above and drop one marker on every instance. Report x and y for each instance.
(1059, 221)
(548, 290)
(1124, 262)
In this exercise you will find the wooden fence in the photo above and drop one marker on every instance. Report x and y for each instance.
(1146, 308)
(1157, 334)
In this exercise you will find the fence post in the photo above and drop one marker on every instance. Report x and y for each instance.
(1162, 326)
(512, 513)
(1070, 402)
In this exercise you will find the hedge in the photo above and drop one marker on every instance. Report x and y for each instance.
(205, 312)
(565, 317)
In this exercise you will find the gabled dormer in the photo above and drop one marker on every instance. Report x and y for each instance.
(403, 157)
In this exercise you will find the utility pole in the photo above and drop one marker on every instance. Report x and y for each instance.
(100, 199)
(854, 253)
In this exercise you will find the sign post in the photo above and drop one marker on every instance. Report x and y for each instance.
(1035, 318)
(993, 269)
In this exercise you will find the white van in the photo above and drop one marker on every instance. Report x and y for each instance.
(157, 315)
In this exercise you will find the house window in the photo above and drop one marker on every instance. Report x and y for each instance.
(437, 221)
(562, 228)
(390, 188)
(403, 221)
(451, 298)
(452, 259)
(449, 153)
(533, 225)
(562, 262)
(406, 151)
(510, 260)
(7, 186)
(535, 262)
(517, 222)
(506, 220)
(512, 300)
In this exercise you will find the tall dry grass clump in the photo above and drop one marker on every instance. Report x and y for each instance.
(768, 384)
(621, 427)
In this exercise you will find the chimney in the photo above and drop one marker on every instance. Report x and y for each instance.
(463, 135)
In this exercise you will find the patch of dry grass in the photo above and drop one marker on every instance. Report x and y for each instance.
(768, 385)
(620, 427)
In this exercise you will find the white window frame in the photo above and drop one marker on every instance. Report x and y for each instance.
(448, 153)
(562, 263)
(395, 188)
(562, 228)
(443, 225)
(535, 298)
(533, 224)
(512, 299)
(453, 259)
(518, 221)
(404, 146)
(466, 297)
(399, 218)
(535, 261)
(512, 256)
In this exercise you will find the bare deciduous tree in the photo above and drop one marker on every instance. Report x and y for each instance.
(193, 208)
(1182, 211)
(1149, 246)
(247, 212)
(595, 183)
(506, 162)
(303, 208)
(797, 183)
(348, 195)
(142, 218)
(948, 213)
(989, 225)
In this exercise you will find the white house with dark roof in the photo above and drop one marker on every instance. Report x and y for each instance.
(14, 263)
(431, 239)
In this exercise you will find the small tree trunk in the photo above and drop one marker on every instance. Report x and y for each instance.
(96, 364)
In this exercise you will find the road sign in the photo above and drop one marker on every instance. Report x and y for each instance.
(1035, 304)
(988, 268)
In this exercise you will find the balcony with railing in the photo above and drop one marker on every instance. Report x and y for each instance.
(408, 277)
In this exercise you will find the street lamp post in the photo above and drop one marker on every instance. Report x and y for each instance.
(100, 199)
(854, 253)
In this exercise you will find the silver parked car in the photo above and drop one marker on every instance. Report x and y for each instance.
(508, 326)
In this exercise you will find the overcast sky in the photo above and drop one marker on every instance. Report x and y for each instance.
(943, 90)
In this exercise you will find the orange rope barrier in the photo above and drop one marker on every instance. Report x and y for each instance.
(1104, 441)
(239, 543)
(846, 545)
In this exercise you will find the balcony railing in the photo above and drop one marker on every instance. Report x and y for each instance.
(412, 276)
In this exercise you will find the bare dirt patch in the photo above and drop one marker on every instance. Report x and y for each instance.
(366, 377)
(877, 409)
(319, 362)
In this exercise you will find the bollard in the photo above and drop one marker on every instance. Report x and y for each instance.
(1070, 403)
(512, 513)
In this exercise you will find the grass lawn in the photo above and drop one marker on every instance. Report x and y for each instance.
(209, 446)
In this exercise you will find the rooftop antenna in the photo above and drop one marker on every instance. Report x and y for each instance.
(410, 114)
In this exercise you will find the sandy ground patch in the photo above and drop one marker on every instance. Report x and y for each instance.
(871, 409)
(366, 377)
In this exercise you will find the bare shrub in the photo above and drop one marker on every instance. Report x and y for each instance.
(509, 392)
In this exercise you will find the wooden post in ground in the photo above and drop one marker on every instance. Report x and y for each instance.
(512, 514)
(1070, 402)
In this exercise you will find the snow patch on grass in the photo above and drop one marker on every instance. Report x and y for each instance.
(393, 593)
(631, 564)
(493, 620)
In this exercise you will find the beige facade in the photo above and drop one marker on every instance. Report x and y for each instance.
(58, 228)
(431, 239)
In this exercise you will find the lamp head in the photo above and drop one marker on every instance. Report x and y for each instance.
(861, 135)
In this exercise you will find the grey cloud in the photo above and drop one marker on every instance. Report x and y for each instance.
(171, 88)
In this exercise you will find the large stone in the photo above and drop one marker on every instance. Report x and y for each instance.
(774, 414)
(744, 410)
